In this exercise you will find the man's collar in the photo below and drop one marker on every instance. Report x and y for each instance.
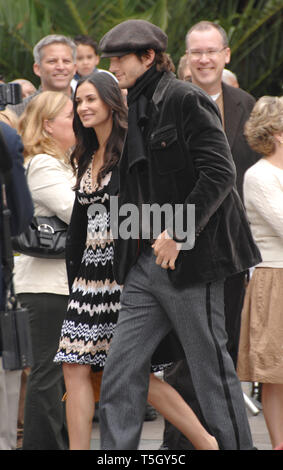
(162, 87)
(70, 94)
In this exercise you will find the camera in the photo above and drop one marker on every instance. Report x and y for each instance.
(10, 93)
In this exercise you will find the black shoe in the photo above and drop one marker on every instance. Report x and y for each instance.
(164, 446)
(150, 413)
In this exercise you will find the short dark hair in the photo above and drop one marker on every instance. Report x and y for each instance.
(86, 41)
(206, 25)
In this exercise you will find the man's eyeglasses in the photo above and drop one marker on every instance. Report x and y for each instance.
(210, 53)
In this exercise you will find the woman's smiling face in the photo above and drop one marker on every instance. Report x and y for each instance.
(91, 109)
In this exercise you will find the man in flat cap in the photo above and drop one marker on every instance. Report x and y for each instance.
(175, 155)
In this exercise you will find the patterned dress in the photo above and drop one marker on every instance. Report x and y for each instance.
(94, 301)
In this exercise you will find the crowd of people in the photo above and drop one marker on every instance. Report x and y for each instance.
(119, 308)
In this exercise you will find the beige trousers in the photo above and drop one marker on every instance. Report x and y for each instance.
(10, 382)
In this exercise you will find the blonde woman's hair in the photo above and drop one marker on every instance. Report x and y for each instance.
(266, 119)
(45, 106)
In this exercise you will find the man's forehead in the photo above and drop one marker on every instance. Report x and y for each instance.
(56, 49)
(200, 34)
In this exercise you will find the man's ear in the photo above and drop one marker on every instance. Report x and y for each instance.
(228, 55)
(47, 126)
(36, 69)
(148, 59)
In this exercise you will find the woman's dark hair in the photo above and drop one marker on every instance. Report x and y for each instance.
(87, 142)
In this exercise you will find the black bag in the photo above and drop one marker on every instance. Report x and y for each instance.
(16, 337)
(44, 238)
(14, 322)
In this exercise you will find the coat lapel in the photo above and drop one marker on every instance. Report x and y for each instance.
(233, 112)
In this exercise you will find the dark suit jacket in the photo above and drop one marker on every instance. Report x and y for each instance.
(18, 195)
(238, 105)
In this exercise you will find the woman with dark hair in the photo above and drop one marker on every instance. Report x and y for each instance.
(100, 123)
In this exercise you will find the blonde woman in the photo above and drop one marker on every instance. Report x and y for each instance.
(47, 135)
(261, 341)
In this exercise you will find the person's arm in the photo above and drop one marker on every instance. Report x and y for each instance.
(18, 195)
(51, 187)
(215, 172)
(263, 193)
(207, 146)
(75, 240)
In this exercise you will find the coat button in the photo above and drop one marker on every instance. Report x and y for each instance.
(163, 144)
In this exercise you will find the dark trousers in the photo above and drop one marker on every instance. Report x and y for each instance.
(150, 307)
(44, 418)
(179, 375)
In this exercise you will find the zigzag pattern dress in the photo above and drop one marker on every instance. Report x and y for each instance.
(94, 301)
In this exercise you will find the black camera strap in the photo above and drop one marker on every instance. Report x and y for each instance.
(5, 157)
(7, 250)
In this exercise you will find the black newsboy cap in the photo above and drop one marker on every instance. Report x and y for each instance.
(131, 36)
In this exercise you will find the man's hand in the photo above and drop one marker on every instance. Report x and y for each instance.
(166, 251)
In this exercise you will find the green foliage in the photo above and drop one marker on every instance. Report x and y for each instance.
(254, 28)
(21, 26)
(257, 47)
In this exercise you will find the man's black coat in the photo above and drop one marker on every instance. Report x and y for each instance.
(190, 162)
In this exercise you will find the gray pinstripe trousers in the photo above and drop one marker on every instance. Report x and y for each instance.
(151, 306)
